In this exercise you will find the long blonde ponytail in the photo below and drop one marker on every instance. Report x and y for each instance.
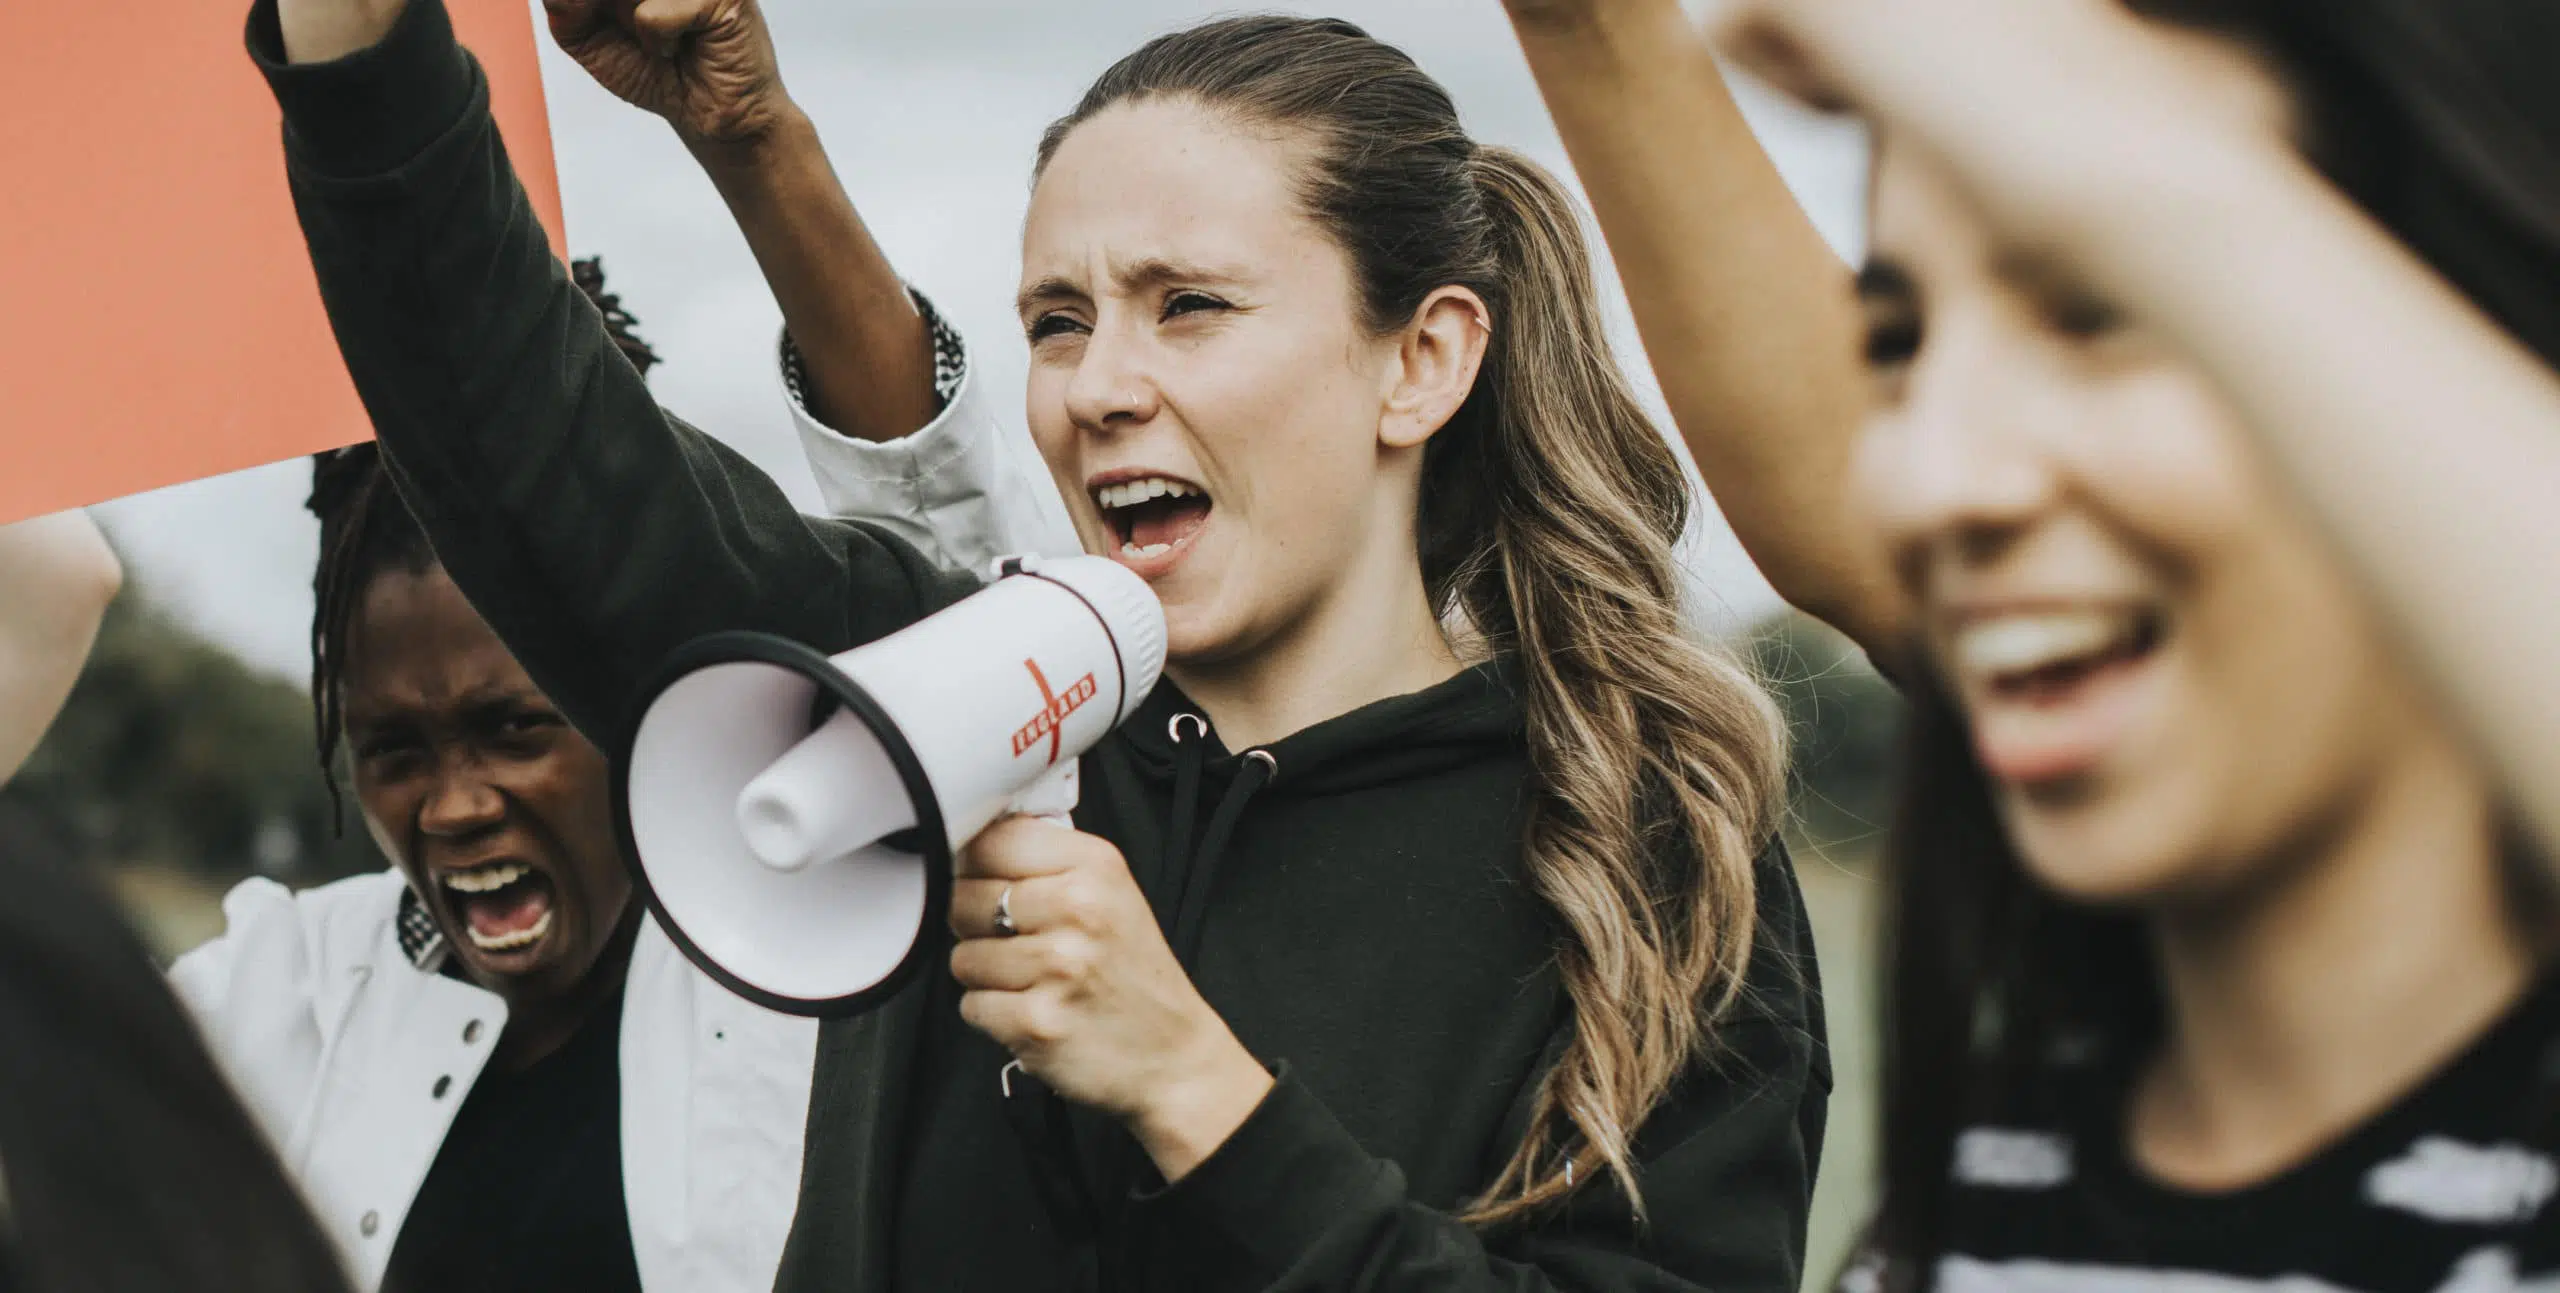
(1659, 758)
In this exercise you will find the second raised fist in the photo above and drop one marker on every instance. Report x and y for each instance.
(707, 66)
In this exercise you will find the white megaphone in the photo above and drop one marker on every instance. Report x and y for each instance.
(791, 817)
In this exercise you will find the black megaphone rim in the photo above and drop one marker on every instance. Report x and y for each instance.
(763, 648)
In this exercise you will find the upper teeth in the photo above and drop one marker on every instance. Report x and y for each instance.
(1133, 492)
(487, 879)
(2022, 643)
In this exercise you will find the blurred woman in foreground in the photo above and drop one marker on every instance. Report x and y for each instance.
(2212, 952)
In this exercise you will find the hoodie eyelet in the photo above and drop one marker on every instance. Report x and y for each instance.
(1173, 729)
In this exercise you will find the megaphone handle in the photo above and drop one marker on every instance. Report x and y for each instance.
(1052, 797)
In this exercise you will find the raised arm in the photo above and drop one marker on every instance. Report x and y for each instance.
(595, 531)
(708, 67)
(2423, 437)
(1746, 313)
(896, 430)
(57, 575)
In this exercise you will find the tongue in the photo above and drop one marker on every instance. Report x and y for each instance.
(1166, 520)
(511, 910)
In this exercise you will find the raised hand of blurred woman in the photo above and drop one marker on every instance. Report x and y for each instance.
(2046, 104)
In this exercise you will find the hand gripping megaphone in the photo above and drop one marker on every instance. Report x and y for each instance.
(791, 817)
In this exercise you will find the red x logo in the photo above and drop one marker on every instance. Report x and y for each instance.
(1051, 721)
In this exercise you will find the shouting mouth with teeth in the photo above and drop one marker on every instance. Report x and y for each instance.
(1154, 518)
(495, 809)
(501, 906)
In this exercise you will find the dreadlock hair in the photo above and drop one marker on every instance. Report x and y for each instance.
(365, 530)
(619, 323)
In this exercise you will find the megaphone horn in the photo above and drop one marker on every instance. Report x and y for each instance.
(790, 817)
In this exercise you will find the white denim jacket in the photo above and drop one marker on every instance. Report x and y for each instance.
(354, 1052)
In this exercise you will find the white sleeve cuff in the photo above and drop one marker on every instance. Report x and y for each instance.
(956, 488)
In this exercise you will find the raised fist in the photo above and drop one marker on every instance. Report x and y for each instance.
(320, 31)
(707, 66)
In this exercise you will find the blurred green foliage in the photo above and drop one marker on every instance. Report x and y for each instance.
(1846, 723)
(173, 754)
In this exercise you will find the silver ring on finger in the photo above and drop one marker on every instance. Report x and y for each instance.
(1004, 913)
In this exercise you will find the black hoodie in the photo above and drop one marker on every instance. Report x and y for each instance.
(1352, 899)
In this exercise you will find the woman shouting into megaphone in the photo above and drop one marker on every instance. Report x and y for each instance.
(1424, 929)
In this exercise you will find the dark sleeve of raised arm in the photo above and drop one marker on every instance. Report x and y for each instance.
(594, 530)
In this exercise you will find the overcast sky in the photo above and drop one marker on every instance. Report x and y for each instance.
(931, 109)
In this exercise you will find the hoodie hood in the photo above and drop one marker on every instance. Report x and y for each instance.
(1475, 715)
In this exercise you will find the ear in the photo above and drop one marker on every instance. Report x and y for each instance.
(1437, 358)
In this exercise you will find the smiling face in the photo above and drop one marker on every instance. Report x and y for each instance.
(1202, 385)
(498, 812)
(2167, 678)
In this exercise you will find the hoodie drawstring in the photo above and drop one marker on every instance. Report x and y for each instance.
(1258, 770)
(1188, 758)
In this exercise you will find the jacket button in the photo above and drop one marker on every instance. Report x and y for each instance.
(372, 1222)
(471, 1032)
(443, 1084)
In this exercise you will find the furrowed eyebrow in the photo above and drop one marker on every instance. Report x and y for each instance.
(1133, 278)
(1047, 291)
(1156, 272)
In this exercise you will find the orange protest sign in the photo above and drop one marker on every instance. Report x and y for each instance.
(158, 317)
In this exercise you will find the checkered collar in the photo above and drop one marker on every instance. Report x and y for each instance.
(420, 941)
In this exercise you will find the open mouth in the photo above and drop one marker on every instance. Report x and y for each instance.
(2047, 656)
(1153, 517)
(2053, 695)
(502, 906)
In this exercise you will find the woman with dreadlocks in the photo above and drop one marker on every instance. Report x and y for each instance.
(487, 1068)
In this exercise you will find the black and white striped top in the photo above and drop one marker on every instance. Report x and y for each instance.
(2449, 1190)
